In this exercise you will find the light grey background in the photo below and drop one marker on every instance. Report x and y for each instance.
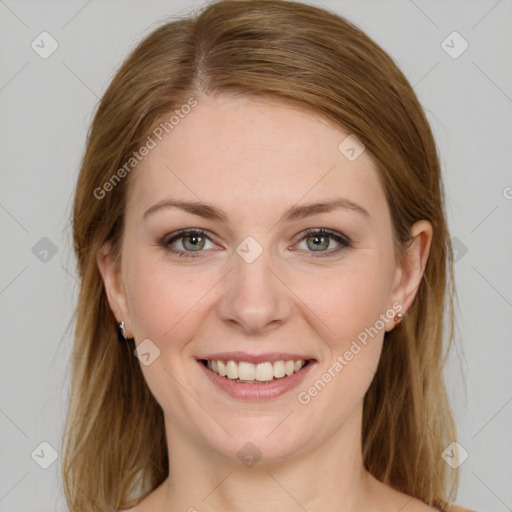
(46, 106)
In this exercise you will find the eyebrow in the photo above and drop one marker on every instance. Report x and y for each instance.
(294, 213)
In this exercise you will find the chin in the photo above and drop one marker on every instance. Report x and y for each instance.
(264, 440)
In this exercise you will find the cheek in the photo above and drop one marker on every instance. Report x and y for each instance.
(165, 306)
(350, 302)
(350, 298)
(161, 298)
(347, 299)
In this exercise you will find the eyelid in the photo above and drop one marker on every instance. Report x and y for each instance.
(340, 238)
(343, 240)
(336, 235)
(176, 235)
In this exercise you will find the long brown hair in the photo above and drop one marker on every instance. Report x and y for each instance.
(114, 448)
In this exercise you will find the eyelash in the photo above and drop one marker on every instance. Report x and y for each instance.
(343, 240)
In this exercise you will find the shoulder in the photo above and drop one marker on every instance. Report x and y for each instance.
(415, 505)
(393, 499)
(420, 506)
(458, 508)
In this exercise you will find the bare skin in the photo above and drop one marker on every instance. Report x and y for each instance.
(256, 159)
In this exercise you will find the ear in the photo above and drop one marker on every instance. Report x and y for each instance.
(410, 271)
(110, 271)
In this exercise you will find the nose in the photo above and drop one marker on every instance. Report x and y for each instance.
(255, 299)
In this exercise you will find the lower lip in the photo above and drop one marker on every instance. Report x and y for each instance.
(257, 391)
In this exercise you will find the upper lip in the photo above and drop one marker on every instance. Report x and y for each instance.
(255, 358)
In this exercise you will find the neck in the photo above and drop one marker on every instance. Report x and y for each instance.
(327, 476)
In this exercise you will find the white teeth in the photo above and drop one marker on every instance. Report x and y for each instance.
(246, 371)
(279, 369)
(231, 370)
(221, 368)
(297, 366)
(264, 371)
(249, 372)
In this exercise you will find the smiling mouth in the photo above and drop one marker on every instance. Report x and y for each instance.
(260, 373)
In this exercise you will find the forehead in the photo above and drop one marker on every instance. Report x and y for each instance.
(247, 154)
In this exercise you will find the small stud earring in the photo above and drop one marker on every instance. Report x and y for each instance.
(398, 318)
(122, 330)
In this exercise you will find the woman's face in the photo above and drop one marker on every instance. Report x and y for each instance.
(252, 285)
